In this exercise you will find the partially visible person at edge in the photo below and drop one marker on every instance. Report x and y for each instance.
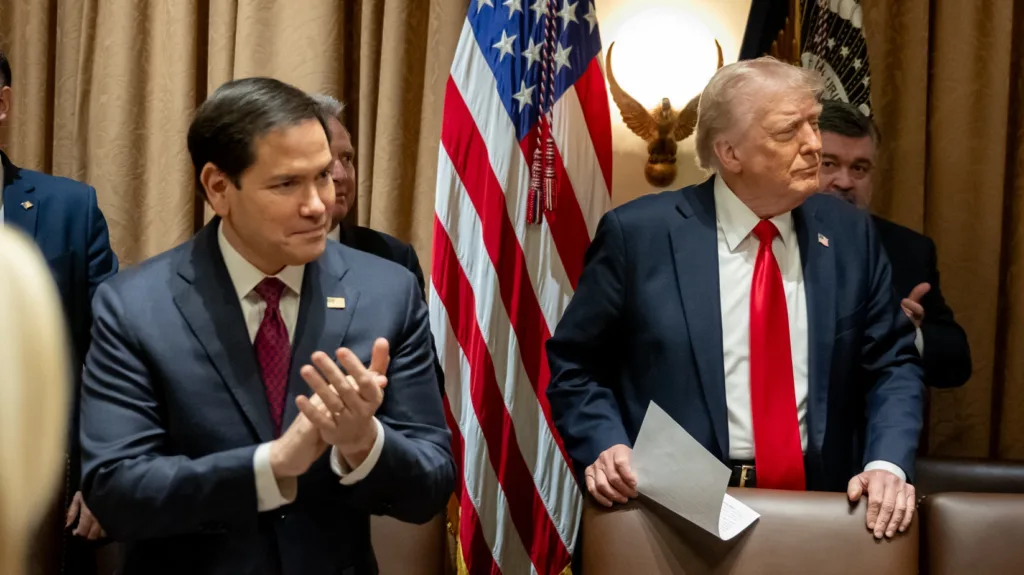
(849, 141)
(757, 313)
(63, 218)
(35, 389)
(364, 239)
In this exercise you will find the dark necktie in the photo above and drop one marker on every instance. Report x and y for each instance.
(777, 452)
(273, 351)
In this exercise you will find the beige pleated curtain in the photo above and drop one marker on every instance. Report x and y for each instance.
(947, 81)
(104, 91)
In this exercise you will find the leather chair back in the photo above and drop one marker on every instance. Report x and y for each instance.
(980, 533)
(401, 548)
(408, 549)
(938, 475)
(797, 533)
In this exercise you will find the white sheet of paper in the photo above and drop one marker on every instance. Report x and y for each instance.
(673, 469)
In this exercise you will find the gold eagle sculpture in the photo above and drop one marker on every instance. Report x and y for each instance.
(661, 128)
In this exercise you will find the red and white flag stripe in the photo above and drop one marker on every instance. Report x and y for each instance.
(498, 288)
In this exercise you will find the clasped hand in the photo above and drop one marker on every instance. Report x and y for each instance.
(340, 412)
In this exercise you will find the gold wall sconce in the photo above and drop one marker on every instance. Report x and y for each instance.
(661, 127)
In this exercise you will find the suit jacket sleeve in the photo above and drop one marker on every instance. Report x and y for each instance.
(412, 263)
(947, 355)
(895, 397)
(102, 259)
(100, 263)
(415, 474)
(135, 489)
(581, 352)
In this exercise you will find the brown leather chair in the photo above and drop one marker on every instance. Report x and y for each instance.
(408, 549)
(797, 533)
(938, 475)
(980, 533)
(401, 548)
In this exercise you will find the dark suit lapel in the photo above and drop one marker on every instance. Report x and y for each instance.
(319, 326)
(210, 305)
(20, 204)
(819, 268)
(695, 245)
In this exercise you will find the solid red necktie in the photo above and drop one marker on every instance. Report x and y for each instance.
(273, 351)
(777, 452)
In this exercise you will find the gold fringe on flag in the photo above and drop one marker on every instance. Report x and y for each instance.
(458, 560)
(454, 544)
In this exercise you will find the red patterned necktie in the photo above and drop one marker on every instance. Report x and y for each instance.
(273, 351)
(777, 453)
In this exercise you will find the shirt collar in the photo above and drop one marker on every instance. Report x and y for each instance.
(738, 220)
(335, 234)
(246, 276)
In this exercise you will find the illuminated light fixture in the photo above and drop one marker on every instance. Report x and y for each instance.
(661, 127)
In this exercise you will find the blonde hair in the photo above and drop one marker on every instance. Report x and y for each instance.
(34, 394)
(730, 99)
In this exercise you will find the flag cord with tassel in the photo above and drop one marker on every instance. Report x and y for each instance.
(543, 192)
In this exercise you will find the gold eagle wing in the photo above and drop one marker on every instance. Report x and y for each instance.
(634, 115)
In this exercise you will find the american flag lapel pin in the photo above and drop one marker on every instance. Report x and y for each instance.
(335, 303)
(823, 240)
(27, 205)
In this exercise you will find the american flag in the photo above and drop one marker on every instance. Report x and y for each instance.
(524, 175)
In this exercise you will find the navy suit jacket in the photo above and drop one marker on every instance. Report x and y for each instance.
(947, 355)
(645, 324)
(65, 221)
(392, 249)
(384, 246)
(173, 408)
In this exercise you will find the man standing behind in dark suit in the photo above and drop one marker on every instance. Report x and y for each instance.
(200, 447)
(364, 239)
(849, 140)
(343, 172)
(63, 218)
(754, 311)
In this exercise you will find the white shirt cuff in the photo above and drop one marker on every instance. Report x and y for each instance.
(270, 493)
(919, 342)
(352, 476)
(886, 466)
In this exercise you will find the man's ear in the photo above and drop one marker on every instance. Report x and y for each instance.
(6, 96)
(727, 156)
(216, 184)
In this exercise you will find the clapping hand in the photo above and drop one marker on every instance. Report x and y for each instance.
(348, 401)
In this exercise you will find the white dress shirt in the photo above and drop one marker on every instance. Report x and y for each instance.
(737, 254)
(270, 493)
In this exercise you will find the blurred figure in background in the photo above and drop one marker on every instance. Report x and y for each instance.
(35, 378)
(849, 139)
